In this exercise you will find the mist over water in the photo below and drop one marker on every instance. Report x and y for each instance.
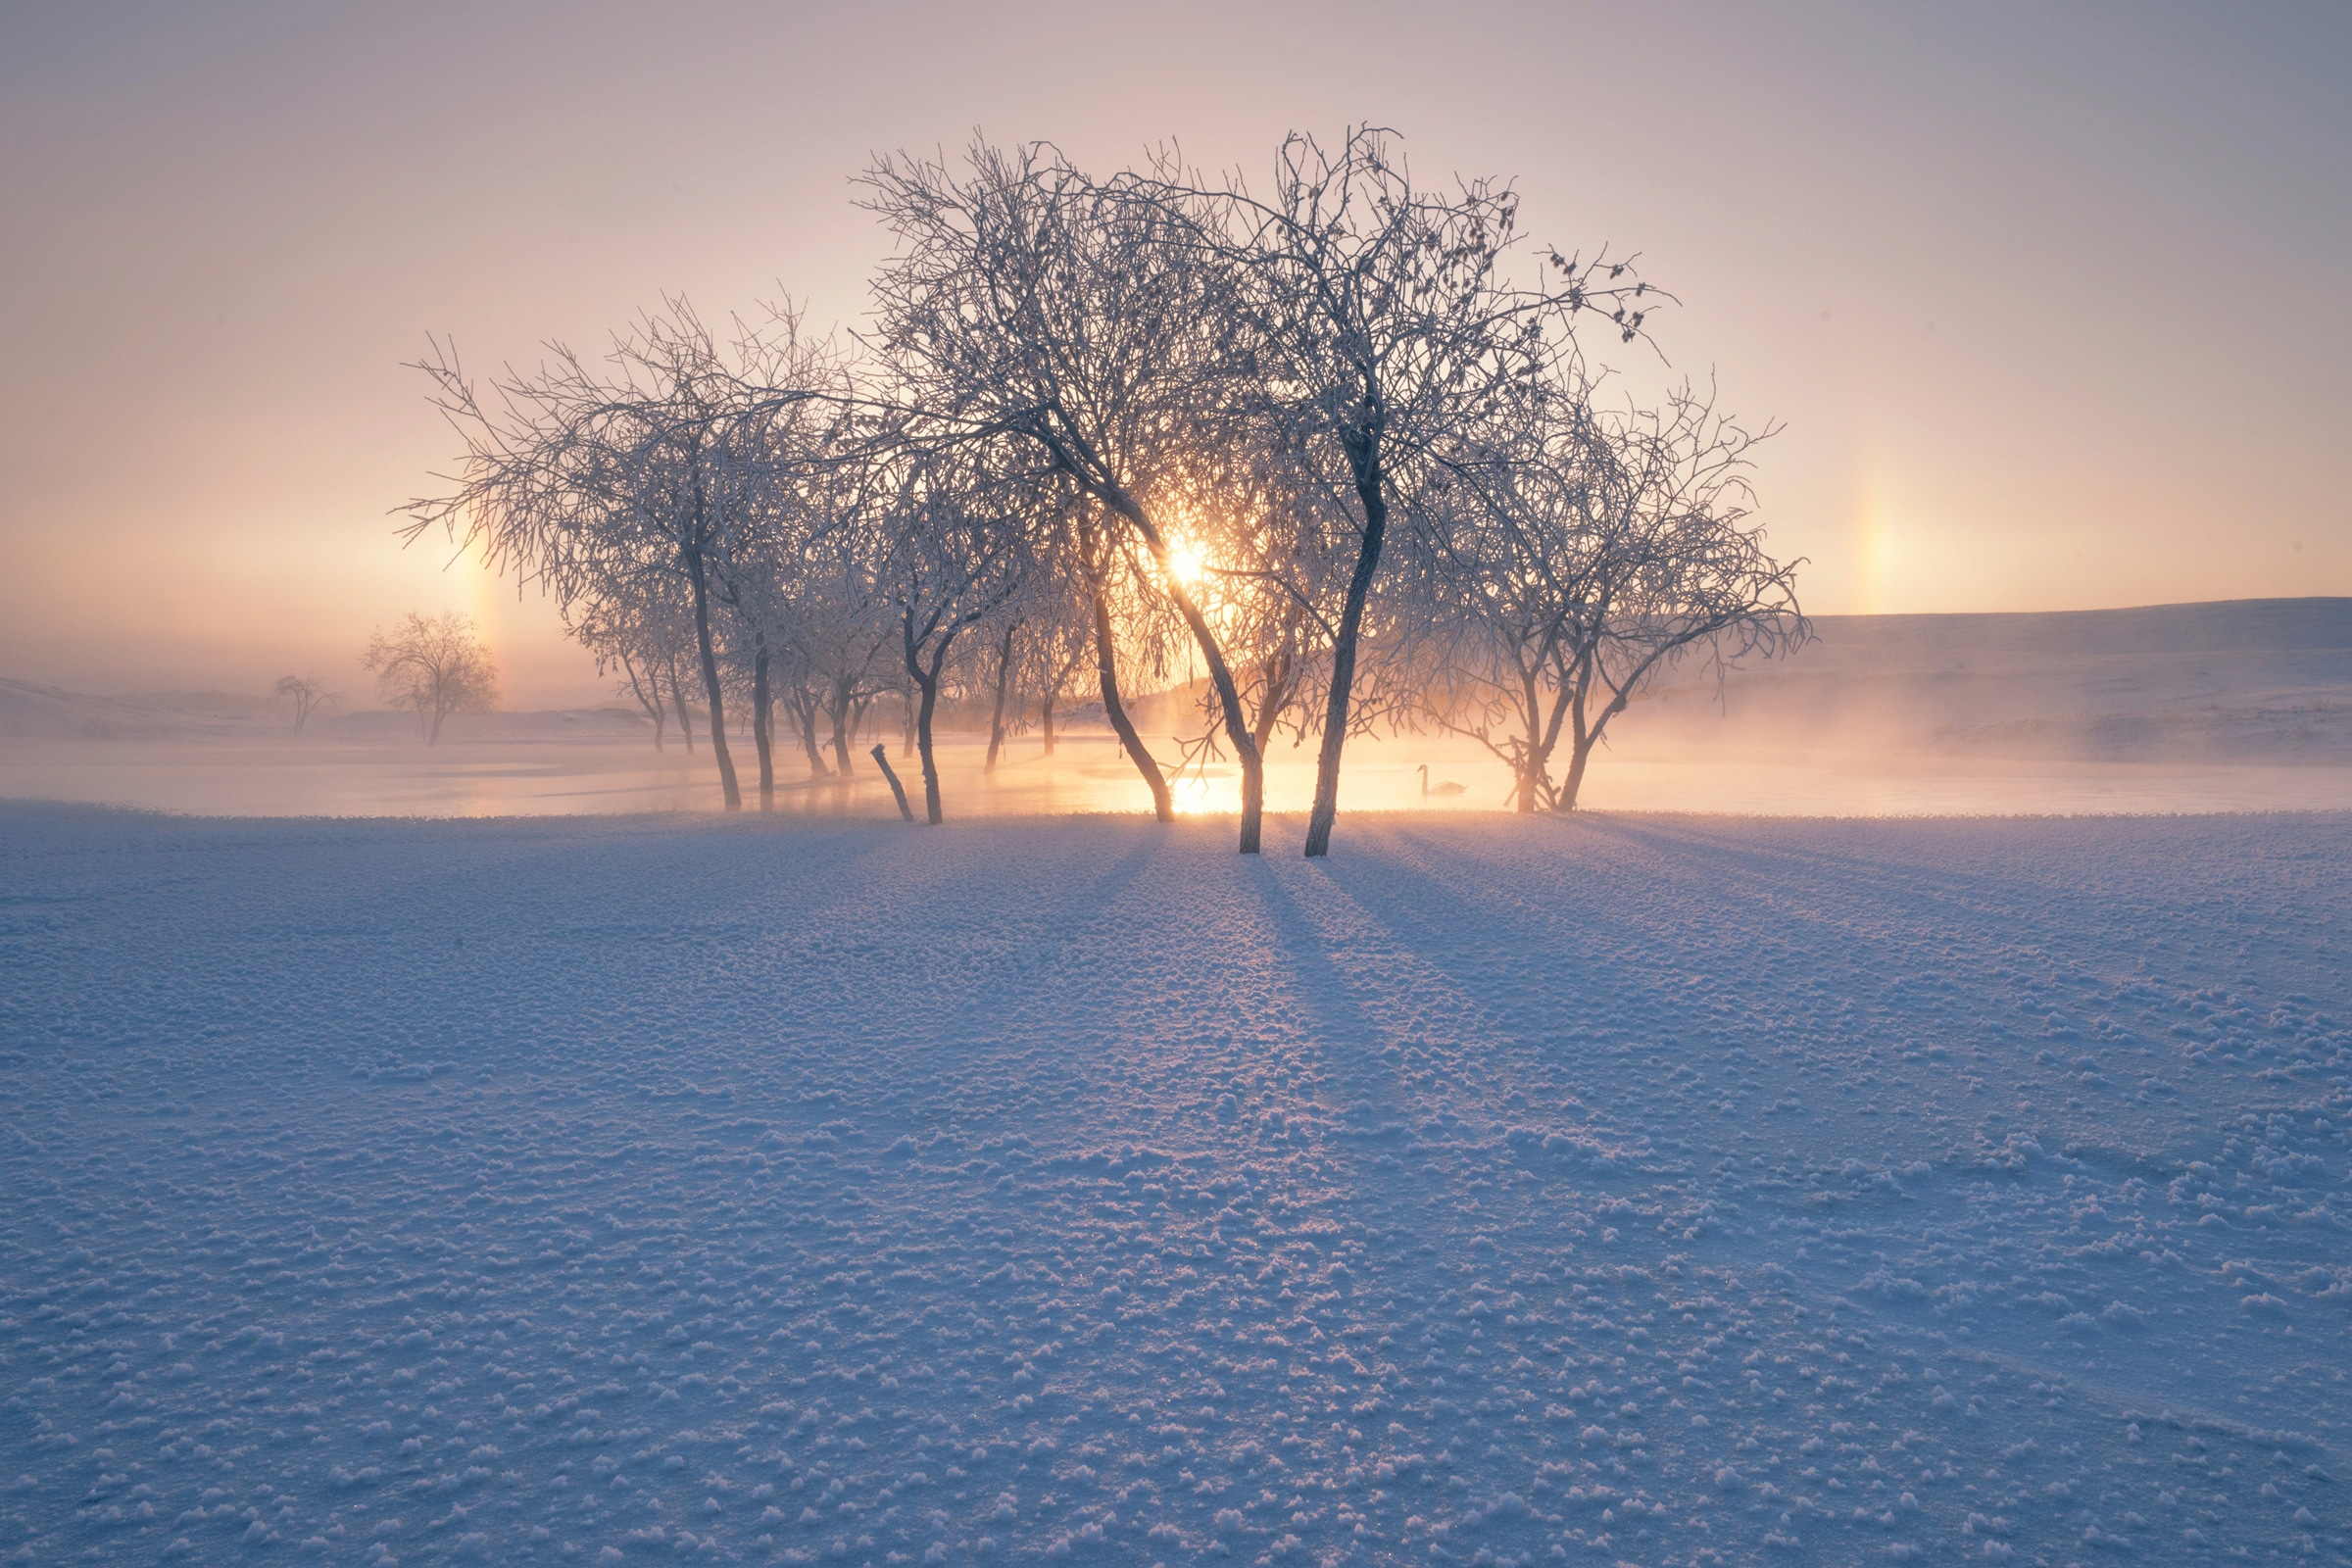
(2243, 707)
(509, 777)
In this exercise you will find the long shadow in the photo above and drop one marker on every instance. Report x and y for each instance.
(1380, 1133)
(995, 1009)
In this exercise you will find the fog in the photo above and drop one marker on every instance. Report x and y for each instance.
(2243, 707)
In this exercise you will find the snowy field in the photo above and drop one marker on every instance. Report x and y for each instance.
(1618, 1189)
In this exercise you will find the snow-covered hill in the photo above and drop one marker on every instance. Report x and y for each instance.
(2261, 681)
(35, 713)
(1600, 1191)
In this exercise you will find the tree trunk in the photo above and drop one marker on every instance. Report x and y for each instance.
(1578, 753)
(1220, 675)
(1534, 763)
(928, 681)
(1106, 667)
(906, 741)
(922, 745)
(838, 708)
(1579, 750)
(729, 790)
(1343, 653)
(1045, 720)
(677, 695)
(653, 708)
(1273, 693)
(996, 722)
(805, 707)
(761, 700)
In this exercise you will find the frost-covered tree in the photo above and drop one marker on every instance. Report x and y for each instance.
(1382, 325)
(434, 665)
(1038, 312)
(667, 455)
(960, 549)
(1061, 631)
(1325, 443)
(637, 622)
(1579, 552)
(840, 619)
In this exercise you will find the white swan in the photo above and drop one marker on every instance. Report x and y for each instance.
(1441, 789)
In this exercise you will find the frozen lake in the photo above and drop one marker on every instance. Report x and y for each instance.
(1618, 1189)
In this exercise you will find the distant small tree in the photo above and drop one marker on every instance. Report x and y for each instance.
(308, 694)
(435, 664)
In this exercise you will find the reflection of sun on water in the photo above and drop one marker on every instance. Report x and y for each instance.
(1189, 795)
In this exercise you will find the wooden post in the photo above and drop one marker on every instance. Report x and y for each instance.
(881, 755)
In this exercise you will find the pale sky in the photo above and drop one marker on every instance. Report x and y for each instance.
(2055, 302)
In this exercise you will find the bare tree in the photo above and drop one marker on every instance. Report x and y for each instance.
(959, 552)
(1176, 422)
(1029, 304)
(1103, 575)
(667, 459)
(1062, 638)
(1003, 685)
(308, 694)
(1583, 552)
(1272, 573)
(801, 694)
(636, 621)
(434, 665)
(1380, 321)
(845, 621)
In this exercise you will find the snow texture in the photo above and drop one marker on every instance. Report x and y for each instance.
(1617, 1190)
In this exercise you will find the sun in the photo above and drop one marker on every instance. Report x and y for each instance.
(1184, 562)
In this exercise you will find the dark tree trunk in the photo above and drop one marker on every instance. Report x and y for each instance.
(923, 744)
(761, 703)
(804, 708)
(729, 790)
(1580, 749)
(1534, 766)
(898, 791)
(996, 721)
(906, 741)
(1271, 698)
(838, 710)
(1578, 755)
(1343, 650)
(1106, 667)
(927, 679)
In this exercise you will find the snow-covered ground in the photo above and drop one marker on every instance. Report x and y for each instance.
(1617, 1190)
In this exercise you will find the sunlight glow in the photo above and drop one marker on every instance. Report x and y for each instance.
(1184, 560)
